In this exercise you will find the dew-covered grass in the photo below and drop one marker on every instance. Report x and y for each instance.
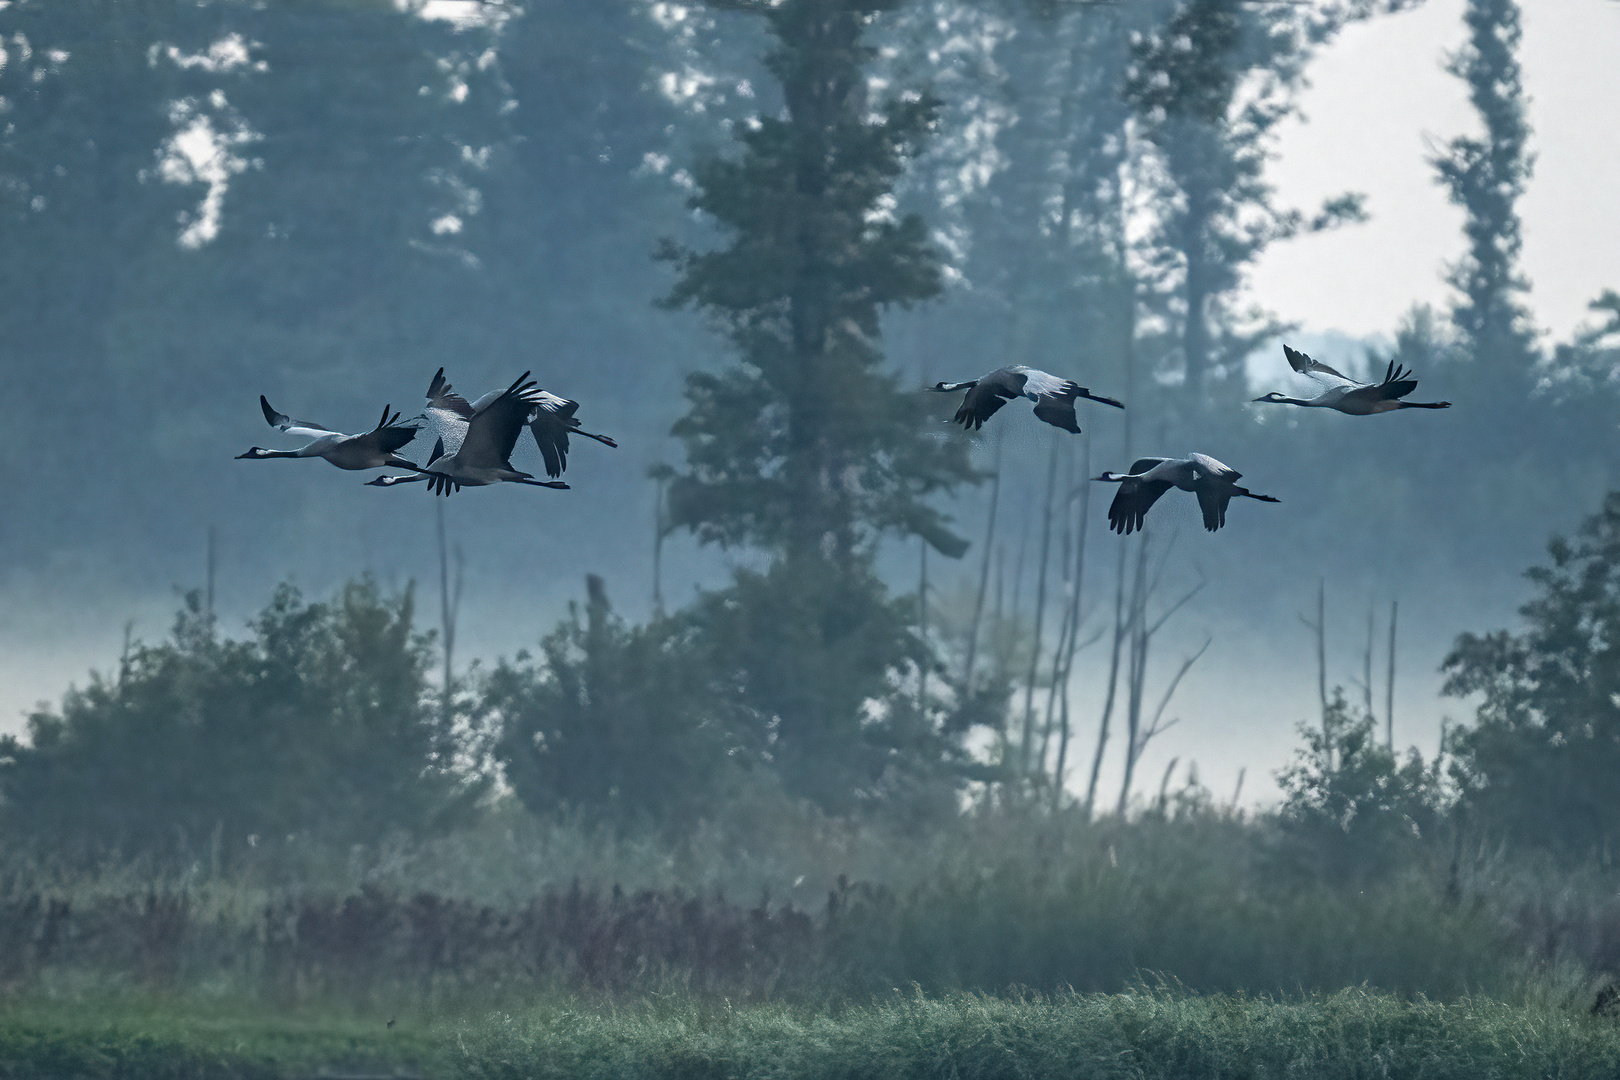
(1141, 1035)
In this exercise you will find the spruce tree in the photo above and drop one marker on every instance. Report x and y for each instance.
(806, 448)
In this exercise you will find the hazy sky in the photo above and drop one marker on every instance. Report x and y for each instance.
(1379, 97)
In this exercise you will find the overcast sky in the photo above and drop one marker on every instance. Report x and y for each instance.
(1379, 97)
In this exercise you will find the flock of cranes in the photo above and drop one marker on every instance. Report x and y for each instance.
(473, 444)
(1213, 482)
(474, 441)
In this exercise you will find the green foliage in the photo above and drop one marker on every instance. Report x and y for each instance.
(792, 677)
(814, 656)
(319, 725)
(1540, 762)
(1353, 811)
(1584, 369)
(623, 721)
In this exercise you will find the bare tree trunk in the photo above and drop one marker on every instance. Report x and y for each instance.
(984, 571)
(1389, 683)
(1061, 770)
(1162, 802)
(449, 608)
(922, 629)
(1001, 582)
(1014, 628)
(1319, 628)
(1016, 604)
(1366, 667)
(1127, 305)
(1135, 669)
(1138, 735)
(213, 563)
(658, 550)
(1065, 627)
(1074, 617)
(1026, 746)
(1113, 682)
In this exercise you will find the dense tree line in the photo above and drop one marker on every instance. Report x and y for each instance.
(322, 727)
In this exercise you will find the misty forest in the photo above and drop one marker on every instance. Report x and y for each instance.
(815, 721)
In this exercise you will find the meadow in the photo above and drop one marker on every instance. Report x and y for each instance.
(1178, 944)
(1145, 1032)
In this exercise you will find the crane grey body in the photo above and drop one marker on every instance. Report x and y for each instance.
(1054, 398)
(1212, 481)
(484, 434)
(374, 449)
(1348, 396)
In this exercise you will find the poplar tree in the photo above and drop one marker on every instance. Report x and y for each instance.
(1486, 175)
(1209, 86)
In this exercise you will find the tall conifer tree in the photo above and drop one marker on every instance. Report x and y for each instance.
(806, 448)
(1486, 175)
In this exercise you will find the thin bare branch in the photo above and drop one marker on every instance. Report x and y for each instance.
(1170, 691)
(1177, 606)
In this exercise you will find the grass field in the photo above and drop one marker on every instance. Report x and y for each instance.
(1146, 1034)
(158, 1039)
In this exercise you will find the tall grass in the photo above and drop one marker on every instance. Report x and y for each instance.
(1140, 1035)
(989, 902)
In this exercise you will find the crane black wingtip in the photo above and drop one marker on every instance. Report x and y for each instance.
(271, 417)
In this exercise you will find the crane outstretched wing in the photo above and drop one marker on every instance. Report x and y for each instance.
(1317, 370)
(1132, 502)
(1397, 383)
(286, 424)
(981, 404)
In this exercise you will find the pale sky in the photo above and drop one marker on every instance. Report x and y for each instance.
(1378, 96)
